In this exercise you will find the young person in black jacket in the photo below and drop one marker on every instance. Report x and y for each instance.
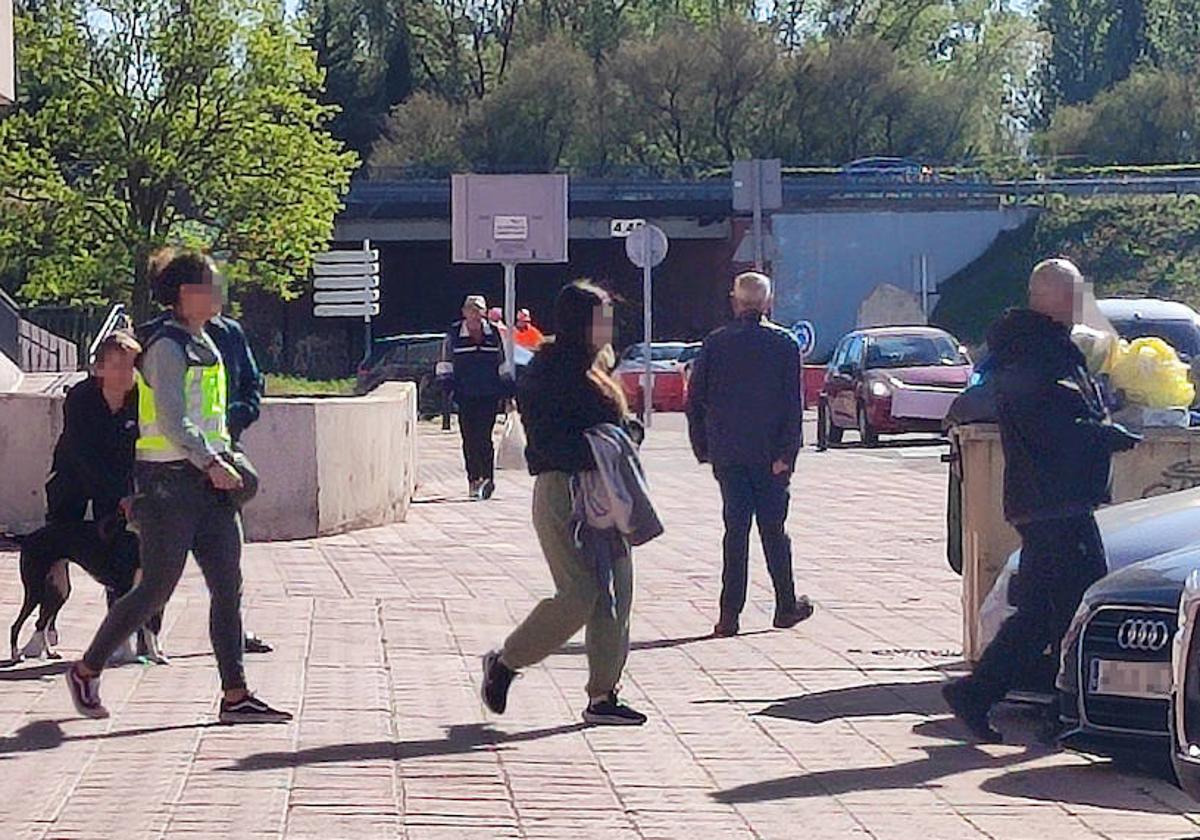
(565, 392)
(1058, 444)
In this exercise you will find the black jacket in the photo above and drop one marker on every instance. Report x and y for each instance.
(558, 404)
(243, 380)
(96, 449)
(744, 396)
(476, 366)
(1057, 439)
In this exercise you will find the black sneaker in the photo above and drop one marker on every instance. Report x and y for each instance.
(487, 489)
(497, 678)
(85, 694)
(253, 644)
(802, 610)
(251, 710)
(970, 712)
(611, 712)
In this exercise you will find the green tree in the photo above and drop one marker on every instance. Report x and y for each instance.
(363, 47)
(158, 121)
(1151, 117)
(1093, 45)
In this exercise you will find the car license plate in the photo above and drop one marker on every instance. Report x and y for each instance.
(1143, 680)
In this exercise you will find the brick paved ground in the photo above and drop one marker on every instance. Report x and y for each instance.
(833, 730)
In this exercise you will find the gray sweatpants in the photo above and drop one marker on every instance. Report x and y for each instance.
(176, 510)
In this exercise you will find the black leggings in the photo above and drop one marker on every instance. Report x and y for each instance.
(476, 422)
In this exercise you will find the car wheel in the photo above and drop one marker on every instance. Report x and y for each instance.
(827, 434)
(869, 437)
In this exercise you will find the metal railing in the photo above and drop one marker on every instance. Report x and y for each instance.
(117, 319)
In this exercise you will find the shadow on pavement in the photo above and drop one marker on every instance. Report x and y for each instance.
(870, 700)
(575, 648)
(940, 762)
(48, 735)
(1088, 785)
(460, 739)
(10, 673)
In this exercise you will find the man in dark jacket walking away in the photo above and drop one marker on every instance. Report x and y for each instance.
(744, 418)
(1058, 445)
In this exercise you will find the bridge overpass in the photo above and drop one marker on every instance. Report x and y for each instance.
(836, 240)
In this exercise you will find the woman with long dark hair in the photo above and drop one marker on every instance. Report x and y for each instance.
(566, 391)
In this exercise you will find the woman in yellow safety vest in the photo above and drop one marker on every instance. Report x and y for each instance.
(185, 499)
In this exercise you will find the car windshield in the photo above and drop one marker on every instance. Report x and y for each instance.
(1182, 335)
(897, 351)
(658, 353)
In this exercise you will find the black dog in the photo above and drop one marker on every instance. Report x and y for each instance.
(105, 550)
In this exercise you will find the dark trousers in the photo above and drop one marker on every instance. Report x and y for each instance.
(476, 422)
(176, 510)
(1060, 559)
(750, 493)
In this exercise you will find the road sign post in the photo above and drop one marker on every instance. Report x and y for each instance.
(346, 285)
(646, 247)
(508, 219)
(757, 186)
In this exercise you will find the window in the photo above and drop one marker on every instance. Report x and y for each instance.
(897, 351)
(854, 356)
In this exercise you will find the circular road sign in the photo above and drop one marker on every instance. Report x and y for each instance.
(806, 334)
(646, 246)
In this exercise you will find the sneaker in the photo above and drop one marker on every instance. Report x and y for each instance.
(253, 644)
(251, 710)
(611, 712)
(85, 694)
(474, 493)
(726, 628)
(970, 712)
(497, 678)
(802, 610)
(486, 489)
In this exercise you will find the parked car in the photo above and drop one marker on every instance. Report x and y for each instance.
(406, 358)
(1115, 680)
(1185, 690)
(890, 380)
(1176, 323)
(667, 357)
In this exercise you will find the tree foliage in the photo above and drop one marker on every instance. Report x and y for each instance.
(152, 121)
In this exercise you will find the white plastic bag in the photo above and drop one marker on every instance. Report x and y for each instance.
(510, 454)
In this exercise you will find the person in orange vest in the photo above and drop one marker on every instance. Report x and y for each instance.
(527, 335)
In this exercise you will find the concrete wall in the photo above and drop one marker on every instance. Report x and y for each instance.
(326, 465)
(333, 464)
(827, 263)
(29, 426)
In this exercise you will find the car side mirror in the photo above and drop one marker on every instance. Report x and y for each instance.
(847, 369)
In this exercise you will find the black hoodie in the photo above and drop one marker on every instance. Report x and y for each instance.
(1057, 440)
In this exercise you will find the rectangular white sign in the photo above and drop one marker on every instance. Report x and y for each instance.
(359, 256)
(8, 72)
(358, 282)
(510, 227)
(347, 296)
(345, 269)
(345, 310)
(620, 228)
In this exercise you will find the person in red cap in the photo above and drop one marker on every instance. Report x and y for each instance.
(527, 335)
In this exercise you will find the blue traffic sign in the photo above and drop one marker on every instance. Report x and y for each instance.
(806, 334)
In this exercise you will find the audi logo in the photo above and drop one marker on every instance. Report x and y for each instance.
(1143, 634)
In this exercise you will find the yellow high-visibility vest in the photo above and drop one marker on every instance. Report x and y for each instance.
(205, 399)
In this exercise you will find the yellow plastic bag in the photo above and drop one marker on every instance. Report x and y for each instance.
(1149, 372)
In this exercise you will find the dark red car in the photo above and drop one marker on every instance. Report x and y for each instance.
(890, 381)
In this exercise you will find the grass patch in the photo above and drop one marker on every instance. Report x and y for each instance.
(295, 386)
